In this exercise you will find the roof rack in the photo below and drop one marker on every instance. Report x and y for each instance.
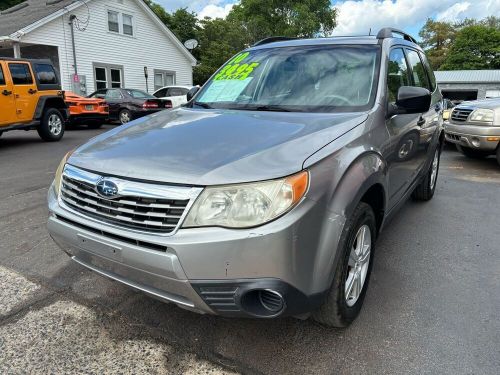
(272, 39)
(387, 32)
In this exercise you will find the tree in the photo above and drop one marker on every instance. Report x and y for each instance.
(437, 38)
(293, 18)
(6, 4)
(475, 47)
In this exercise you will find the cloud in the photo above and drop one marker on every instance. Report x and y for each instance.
(215, 11)
(357, 17)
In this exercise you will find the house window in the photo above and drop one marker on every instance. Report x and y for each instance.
(163, 78)
(128, 27)
(101, 82)
(108, 76)
(120, 23)
(113, 24)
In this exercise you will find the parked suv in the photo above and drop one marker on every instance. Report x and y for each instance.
(264, 196)
(474, 127)
(31, 98)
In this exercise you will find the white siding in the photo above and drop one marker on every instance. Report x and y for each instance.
(149, 46)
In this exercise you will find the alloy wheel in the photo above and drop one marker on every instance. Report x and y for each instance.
(55, 124)
(359, 260)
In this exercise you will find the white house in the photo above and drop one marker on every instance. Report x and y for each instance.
(97, 43)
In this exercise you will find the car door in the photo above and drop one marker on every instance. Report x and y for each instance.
(7, 104)
(114, 98)
(405, 152)
(24, 90)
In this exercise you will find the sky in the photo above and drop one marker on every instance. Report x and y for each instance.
(358, 16)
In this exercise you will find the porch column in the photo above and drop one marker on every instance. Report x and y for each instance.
(17, 50)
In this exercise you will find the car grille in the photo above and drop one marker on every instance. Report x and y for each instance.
(139, 212)
(460, 114)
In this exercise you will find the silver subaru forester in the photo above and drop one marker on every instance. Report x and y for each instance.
(263, 196)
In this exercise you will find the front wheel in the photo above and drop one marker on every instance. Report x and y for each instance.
(350, 281)
(425, 190)
(51, 128)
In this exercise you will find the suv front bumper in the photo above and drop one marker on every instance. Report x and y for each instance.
(207, 270)
(482, 137)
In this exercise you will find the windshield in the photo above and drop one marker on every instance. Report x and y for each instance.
(323, 78)
(138, 94)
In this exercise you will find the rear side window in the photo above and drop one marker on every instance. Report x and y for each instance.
(2, 78)
(46, 74)
(398, 74)
(161, 93)
(21, 74)
(176, 91)
(430, 73)
(418, 71)
(113, 94)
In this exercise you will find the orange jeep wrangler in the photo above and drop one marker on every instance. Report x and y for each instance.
(31, 98)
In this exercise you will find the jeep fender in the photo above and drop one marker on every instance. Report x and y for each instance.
(50, 101)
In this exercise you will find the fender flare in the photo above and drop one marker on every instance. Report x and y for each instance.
(41, 105)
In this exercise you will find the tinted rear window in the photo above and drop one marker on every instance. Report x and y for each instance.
(21, 74)
(46, 74)
(2, 78)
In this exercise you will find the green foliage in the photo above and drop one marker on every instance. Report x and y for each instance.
(475, 47)
(6, 4)
(468, 44)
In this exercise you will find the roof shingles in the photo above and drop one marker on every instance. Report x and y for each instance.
(468, 76)
(35, 11)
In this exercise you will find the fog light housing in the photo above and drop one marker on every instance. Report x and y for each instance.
(475, 142)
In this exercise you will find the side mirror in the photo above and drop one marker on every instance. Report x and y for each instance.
(412, 100)
(192, 92)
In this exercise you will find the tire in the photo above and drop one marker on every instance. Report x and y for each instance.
(339, 310)
(124, 116)
(498, 154)
(1, 134)
(51, 128)
(471, 153)
(95, 125)
(425, 190)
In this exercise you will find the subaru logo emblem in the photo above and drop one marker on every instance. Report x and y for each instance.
(107, 189)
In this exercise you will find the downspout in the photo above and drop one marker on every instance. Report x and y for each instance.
(71, 19)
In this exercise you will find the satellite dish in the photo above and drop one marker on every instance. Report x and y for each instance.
(191, 44)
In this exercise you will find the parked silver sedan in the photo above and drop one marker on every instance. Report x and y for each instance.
(475, 128)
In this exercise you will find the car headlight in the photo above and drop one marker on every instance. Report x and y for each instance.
(59, 172)
(483, 115)
(247, 205)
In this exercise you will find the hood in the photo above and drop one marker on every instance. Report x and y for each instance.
(212, 147)
(493, 103)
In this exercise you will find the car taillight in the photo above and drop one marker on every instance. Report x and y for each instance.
(150, 105)
(168, 104)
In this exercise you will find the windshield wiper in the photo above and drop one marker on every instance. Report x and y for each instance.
(270, 108)
(203, 105)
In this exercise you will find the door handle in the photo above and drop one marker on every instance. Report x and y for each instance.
(6, 92)
(421, 121)
(31, 91)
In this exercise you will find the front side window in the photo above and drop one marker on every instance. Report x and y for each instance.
(46, 74)
(312, 78)
(2, 78)
(113, 94)
(113, 24)
(398, 74)
(177, 91)
(128, 27)
(430, 73)
(21, 74)
(418, 71)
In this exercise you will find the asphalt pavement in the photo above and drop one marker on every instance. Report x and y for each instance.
(432, 306)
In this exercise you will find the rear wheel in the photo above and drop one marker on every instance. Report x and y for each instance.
(125, 116)
(425, 190)
(352, 274)
(51, 128)
(471, 153)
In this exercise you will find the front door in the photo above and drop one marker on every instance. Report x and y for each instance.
(7, 104)
(408, 144)
(24, 89)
